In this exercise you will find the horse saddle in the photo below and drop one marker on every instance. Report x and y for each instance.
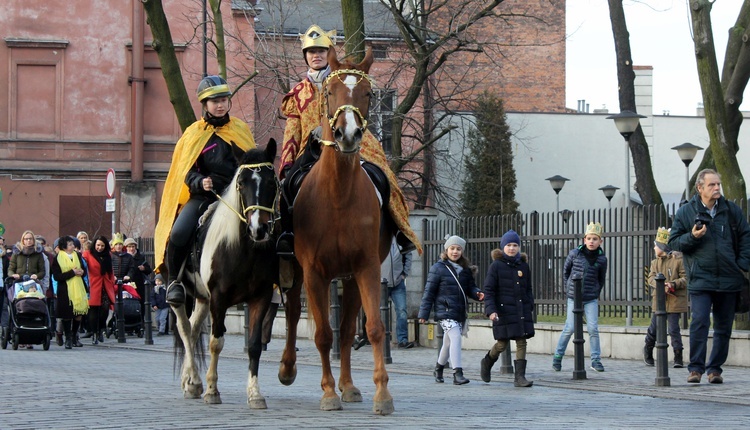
(306, 161)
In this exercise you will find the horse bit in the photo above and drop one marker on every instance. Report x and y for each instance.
(345, 108)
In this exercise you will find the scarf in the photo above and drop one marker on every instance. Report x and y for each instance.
(456, 266)
(76, 289)
(513, 260)
(318, 76)
(105, 260)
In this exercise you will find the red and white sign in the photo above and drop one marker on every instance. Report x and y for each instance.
(110, 183)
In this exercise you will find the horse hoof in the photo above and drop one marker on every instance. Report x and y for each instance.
(352, 395)
(330, 404)
(257, 403)
(287, 379)
(212, 399)
(193, 391)
(383, 408)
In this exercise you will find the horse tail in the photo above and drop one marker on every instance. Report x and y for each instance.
(178, 351)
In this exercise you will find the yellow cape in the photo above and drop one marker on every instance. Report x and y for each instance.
(176, 192)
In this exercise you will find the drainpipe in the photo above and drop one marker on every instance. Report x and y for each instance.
(136, 98)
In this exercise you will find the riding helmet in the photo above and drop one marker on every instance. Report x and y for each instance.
(211, 87)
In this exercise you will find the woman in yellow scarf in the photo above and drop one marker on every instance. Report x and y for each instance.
(69, 280)
(203, 164)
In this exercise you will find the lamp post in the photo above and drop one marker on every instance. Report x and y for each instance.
(626, 123)
(687, 152)
(609, 192)
(557, 182)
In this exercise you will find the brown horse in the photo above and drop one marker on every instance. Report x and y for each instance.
(340, 233)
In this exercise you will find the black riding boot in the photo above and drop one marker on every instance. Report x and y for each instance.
(176, 256)
(458, 377)
(486, 367)
(438, 373)
(678, 363)
(404, 243)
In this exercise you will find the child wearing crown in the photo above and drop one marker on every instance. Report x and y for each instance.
(588, 261)
(669, 263)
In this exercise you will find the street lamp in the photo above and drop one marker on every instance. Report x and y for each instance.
(609, 192)
(566, 215)
(626, 123)
(687, 152)
(557, 182)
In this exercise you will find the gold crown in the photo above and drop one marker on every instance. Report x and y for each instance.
(116, 239)
(315, 37)
(594, 228)
(662, 235)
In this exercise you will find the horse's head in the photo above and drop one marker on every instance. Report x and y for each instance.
(258, 189)
(347, 91)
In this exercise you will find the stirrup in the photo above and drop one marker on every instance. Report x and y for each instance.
(285, 245)
(176, 294)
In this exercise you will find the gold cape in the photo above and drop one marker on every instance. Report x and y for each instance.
(186, 152)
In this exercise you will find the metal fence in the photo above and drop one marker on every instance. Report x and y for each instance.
(547, 238)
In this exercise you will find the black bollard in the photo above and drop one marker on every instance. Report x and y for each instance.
(335, 321)
(579, 371)
(662, 364)
(506, 366)
(385, 315)
(120, 314)
(148, 334)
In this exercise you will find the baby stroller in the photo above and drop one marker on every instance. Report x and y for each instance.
(29, 321)
(131, 314)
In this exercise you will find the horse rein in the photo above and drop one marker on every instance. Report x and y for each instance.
(245, 209)
(344, 108)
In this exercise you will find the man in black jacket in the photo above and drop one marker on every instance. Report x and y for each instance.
(714, 237)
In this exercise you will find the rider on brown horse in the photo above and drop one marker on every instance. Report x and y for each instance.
(302, 109)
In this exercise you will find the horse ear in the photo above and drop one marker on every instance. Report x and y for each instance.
(271, 150)
(366, 62)
(333, 60)
(237, 151)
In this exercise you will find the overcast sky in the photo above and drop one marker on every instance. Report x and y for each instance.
(660, 36)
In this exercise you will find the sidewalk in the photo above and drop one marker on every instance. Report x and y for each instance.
(629, 377)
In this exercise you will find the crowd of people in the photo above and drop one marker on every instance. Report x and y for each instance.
(78, 280)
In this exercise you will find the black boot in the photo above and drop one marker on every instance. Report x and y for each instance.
(648, 355)
(678, 364)
(176, 256)
(59, 338)
(404, 243)
(458, 377)
(285, 245)
(520, 376)
(438, 372)
(486, 367)
(68, 334)
(76, 341)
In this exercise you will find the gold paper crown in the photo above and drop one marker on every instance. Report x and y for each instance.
(315, 37)
(594, 228)
(116, 239)
(662, 235)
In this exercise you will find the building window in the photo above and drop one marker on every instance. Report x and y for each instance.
(381, 117)
(380, 52)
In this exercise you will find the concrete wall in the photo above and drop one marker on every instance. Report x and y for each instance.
(625, 343)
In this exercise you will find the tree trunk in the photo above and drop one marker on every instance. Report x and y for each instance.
(170, 67)
(221, 53)
(723, 144)
(645, 185)
(353, 14)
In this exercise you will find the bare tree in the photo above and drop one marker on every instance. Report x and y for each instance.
(722, 97)
(645, 184)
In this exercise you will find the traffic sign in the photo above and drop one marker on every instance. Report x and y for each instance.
(110, 205)
(110, 182)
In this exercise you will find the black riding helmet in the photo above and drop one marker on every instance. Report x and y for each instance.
(211, 87)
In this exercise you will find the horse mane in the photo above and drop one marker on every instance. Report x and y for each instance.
(224, 224)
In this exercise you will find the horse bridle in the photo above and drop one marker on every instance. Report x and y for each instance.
(256, 167)
(344, 108)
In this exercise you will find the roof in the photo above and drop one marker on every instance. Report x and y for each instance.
(299, 15)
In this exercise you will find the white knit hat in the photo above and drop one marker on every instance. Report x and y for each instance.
(455, 240)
